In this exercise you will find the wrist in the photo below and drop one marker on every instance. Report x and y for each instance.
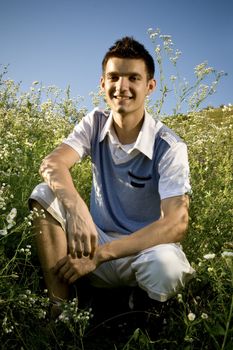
(103, 253)
(98, 256)
(73, 203)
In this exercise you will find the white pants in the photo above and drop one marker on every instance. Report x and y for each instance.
(161, 270)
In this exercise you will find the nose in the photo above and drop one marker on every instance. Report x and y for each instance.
(122, 84)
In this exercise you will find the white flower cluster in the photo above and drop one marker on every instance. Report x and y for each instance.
(209, 256)
(10, 219)
(227, 108)
(6, 326)
(227, 254)
(30, 300)
(26, 302)
(5, 195)
(153, 33)
(35, 213)
(72, 312)
(202, 70)
(179, 298)
(2, 199)
(167, 45)
(191, 316)
(26, 251)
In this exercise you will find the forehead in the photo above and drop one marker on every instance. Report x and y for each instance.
(125, 66)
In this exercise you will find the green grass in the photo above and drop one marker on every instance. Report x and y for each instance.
(198, 318)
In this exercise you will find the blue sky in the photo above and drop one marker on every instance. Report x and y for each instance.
(62, 42)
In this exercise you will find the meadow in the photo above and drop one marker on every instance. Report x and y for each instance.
(199, 317)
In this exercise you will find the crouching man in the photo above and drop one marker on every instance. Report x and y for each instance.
(139, 200)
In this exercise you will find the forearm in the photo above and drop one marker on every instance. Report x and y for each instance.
(57, 175)
(170, 229)
(81, 232)
(59, 180)
(147, 237)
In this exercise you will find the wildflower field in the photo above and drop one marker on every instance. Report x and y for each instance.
(200, 317)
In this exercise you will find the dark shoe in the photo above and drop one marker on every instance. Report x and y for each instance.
(55, 308)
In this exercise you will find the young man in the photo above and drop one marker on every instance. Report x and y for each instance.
(139, 202)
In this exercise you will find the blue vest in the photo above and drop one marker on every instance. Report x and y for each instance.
(125, 197)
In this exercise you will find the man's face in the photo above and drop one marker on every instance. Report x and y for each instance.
(126, 85)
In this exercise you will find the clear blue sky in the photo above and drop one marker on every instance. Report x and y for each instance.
(62, 42)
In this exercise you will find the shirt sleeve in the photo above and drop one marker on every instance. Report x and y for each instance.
(80, 138)
(174, 172)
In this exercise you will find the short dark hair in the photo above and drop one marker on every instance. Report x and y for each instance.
(128, 47)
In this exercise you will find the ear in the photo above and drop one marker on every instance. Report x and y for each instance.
(102, 83)
(151, 86)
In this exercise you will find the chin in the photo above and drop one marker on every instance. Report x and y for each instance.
(121, 110)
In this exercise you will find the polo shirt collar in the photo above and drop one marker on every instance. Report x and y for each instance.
(108, 127)
(146, 136)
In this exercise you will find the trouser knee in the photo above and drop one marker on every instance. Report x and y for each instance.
(161, 272)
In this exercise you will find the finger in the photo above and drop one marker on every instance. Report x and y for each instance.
(73, 278)
(79, 248)
(86, 247)
(59, 264)
(64, 270)
(71, 245)
(94, 243)
(68, 274)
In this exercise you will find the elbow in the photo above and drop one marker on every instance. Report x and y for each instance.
(45, 167)
(182, 228)
(41, 168)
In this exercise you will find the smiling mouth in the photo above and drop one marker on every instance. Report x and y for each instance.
(120, 98)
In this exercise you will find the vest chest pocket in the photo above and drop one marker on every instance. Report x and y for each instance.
(139, 181)
(142, 197)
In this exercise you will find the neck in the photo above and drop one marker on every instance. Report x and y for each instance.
(127, 130)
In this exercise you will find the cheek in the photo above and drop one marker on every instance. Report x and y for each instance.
(140, 94)
(109, 91)
(108, 97)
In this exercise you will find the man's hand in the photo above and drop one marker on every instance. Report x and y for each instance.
(82, 233)
(70, 269)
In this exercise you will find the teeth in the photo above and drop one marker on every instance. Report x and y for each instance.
(122, 97)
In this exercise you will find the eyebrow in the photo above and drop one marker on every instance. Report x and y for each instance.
(109, 74)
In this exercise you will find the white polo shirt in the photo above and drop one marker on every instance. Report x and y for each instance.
(173, 182)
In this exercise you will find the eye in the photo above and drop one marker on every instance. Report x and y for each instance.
(112, 77)
(134, 78)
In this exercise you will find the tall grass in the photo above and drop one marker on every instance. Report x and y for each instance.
(200, 317)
